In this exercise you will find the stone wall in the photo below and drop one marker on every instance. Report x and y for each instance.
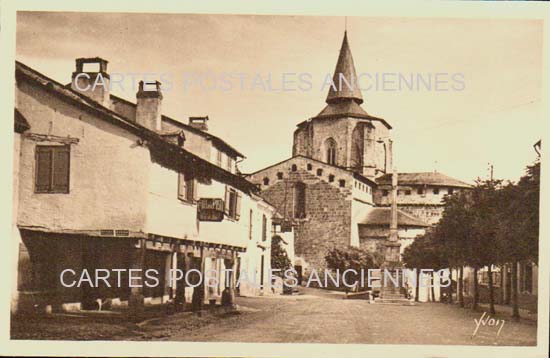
(327, 223)
(373, 147)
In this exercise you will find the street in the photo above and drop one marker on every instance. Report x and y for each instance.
(315, 316)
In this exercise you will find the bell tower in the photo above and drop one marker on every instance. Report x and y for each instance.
(343, 133)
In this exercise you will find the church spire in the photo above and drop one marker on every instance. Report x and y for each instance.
(344, 71)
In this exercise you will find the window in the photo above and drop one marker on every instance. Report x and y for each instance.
(420, 191)
(309, 166)
(407, 192)
(294, 167)
(264, 228)
(319, 172)
(330, 148)
(342, 183)
(52, 169)
(299, 200)
(331, 178)
(232, 203)
(219, 158)
(450, 191)
(229, 163)
(436, 191)
(279, 175)
(181, 139)
(266, 181)
(187, 188)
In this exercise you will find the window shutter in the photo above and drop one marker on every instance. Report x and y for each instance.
(61, 160)
(264, 228)
(43, 169)
(181, 186)
(195, 191)
(238, 206)
(226, 201)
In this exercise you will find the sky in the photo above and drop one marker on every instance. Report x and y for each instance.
(494, 117)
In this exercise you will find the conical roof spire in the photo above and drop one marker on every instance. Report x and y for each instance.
(345, 77)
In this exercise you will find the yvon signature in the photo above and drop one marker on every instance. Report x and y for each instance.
(487, 321)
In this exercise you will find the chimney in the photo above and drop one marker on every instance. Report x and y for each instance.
(92, 81)
(199, 123)
(149, 105)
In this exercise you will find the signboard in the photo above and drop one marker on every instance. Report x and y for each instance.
(210, 209)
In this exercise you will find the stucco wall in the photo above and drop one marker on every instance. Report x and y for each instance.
(108, 170)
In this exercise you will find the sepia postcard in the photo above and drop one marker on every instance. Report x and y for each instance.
(269, 181)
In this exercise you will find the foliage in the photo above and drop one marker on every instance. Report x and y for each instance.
(279, 256)
(352, 258)
(490, 224)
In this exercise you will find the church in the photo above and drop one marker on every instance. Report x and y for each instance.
(336, 189)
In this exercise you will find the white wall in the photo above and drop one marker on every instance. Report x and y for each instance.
(108, 170)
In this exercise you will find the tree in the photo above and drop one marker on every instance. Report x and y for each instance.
(455, 229)
(279, 256)
(518, 228)
(352, 258)
(425, 252)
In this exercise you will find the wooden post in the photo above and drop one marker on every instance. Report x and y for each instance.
(228, 294)
(182, 263)
(198, 291)
(136, 299)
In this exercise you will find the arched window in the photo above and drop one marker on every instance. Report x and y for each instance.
(299, 200)
(266, 181)
(330, 150)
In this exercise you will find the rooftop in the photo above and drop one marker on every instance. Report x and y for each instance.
(382, 217)
(24, 72)
(426, 178)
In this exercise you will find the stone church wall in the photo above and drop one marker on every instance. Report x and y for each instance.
(327, 222)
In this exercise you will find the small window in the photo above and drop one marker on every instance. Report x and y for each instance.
(420, 191)
(299, 200)
(181, 139)
(52, 169)
(436, 191)
(187, 188)
(331, 178)
(330, 147)
(294, 167)
(229, 163)
(266, 181)
(385, 192)
(342, 183)
(407, 192)
(280, 175)
(450, 191)
(319, 172)
(264, 228)
(232, 203)
(309, 166)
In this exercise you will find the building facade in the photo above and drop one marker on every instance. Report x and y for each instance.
(336, 185)
(102, 184)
